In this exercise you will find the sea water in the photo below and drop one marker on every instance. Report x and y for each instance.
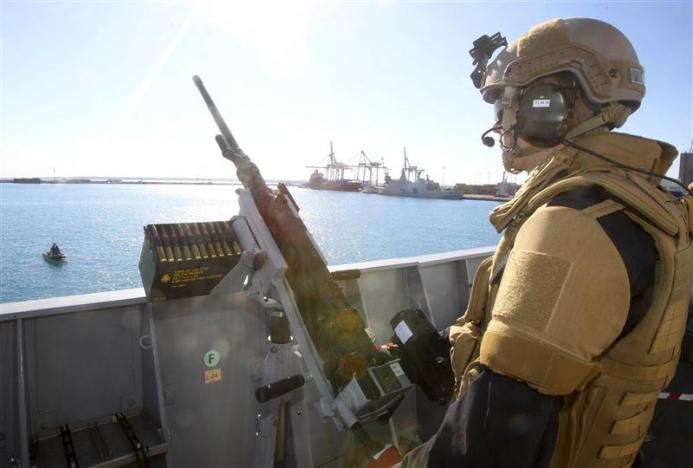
(99, 228)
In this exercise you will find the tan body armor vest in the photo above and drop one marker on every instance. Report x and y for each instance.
(550, 314)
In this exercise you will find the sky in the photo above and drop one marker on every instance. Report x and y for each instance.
(92, 88)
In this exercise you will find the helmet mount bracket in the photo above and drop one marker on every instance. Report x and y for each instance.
(482, 50)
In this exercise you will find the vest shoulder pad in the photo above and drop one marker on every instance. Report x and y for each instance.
(562, 301)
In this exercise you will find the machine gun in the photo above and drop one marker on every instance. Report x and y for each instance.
(335, 327)
(357, 383)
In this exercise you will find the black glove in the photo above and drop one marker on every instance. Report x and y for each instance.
(424, 354)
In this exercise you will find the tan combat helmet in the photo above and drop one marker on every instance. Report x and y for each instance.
(598, 54)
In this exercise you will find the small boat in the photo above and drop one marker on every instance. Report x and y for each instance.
(48, 256)
(54, 254)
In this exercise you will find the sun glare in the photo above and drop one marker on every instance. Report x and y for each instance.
(277, 30)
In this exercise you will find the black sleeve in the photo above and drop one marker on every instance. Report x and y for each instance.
(498, 422)
(502, 422)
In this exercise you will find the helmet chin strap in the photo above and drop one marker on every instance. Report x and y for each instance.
(614, 114)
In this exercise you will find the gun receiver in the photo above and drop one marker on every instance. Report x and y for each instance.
(335, 327)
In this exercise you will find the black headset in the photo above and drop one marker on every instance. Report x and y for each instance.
(543, 115)
(544, 112)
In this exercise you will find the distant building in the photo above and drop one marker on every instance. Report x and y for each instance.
(503, 189)
(26, 180)
(686, 166)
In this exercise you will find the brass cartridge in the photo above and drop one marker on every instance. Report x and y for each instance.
(175, 243)
(199, 240)
(156, 241)
(223, 229)
(167, 244)
(190, 235)
(236, 247)
(216, 237)
(207, 239)
(183, 241)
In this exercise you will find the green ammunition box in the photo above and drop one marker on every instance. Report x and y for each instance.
(186, 259)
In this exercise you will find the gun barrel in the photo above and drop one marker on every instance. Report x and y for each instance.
(246, 170)
(216, 115)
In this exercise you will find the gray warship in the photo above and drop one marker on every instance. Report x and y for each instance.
(411, 184)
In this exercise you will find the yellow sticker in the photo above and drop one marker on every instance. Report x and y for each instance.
(212, 375)
(166, 278)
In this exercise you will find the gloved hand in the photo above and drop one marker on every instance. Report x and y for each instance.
(424, 354)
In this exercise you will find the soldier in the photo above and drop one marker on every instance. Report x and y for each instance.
(574, 325)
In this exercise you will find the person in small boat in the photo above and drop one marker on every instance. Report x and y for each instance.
(55, 250)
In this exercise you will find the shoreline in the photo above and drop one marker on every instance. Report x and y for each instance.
(33, 181)
(80, 181)
(472, 196)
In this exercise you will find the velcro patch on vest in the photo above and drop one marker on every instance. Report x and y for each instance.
(532, 283)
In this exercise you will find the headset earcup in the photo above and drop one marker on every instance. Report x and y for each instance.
(542, 118)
